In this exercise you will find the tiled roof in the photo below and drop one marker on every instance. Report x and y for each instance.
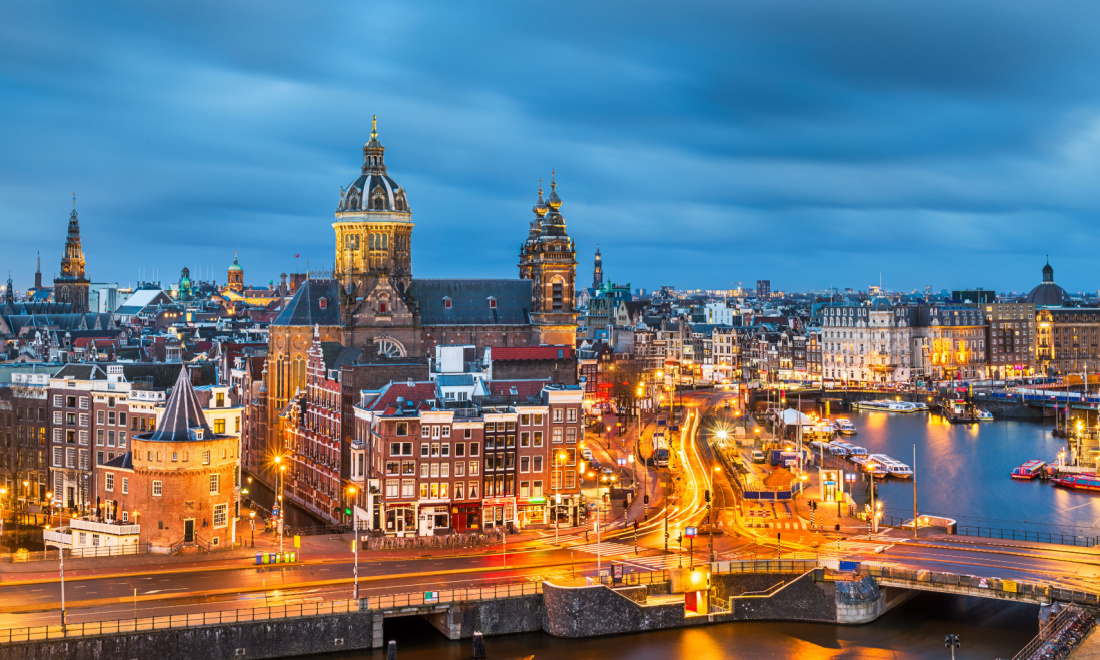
(181, 414)
(121, 462)
(455, 380)
(82, 372)
(305, 308)
(531, 352)
(418, 393)
(523, 388)
(470, 301)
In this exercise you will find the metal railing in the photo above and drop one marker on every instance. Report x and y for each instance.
(445, 596)
(120, 626)
(1052, 628)
(765, 566)
(1059, 538)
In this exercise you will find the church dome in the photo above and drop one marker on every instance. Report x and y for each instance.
(1047, 293)
(374, 190)
(236, 266)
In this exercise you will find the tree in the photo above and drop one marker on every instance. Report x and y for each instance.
(626, 376)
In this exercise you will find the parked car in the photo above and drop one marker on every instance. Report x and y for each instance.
(758, 456)
(587, 453)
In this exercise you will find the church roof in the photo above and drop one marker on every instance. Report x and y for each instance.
(316, 302)
(182, 414)
(470, 301)
(1047, 293)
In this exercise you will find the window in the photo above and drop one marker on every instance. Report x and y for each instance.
(206, 458)
(110, 481)
(408, 468)
(214, 483)
(536, 489)
(392, 467)
(473, 491)
(221, 515)
(423, 470)
(538, 438)
(425, 431)
(538, 419)
(424, 491)
(110, 418)
(571, 434)
(219, 426)
(557, 435)
(435, 431)
(125, 490)
(460, 469)
(99, 438)
(435, 449)
(557, 415)
(122, 439)
(445, 470)
(424, 450)
(402, 428)
(57, 456)
(99, 417)
(84, 402)
(524, 489)
(156, 489)
(524, 463)
(458, 490)
(408, 488)
(445, 450)
(446, 431)
(474, 449)
(122, 419)
(538, 464)
(524, 439)
(473, 468)
(392, 488)
(175, 457)
(571, 415)
(110, 438)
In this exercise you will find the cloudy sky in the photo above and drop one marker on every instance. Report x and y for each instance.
(813, 143)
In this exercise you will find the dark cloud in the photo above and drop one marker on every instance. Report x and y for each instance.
(699, 144)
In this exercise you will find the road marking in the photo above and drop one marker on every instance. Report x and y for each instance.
(608, 549)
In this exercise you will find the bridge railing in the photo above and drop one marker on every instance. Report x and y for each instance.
(997, 587)
(1035, 536)
(445, 596)
(765, 566)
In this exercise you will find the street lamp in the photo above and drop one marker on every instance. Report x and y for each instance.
(282, 468)
(3, 492)
(556, 483)
(252, 523)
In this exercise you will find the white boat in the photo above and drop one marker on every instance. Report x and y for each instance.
(838, 449)
(984, 415)
(856, 450)
(885, 405)
(894, 468)
(845, 426)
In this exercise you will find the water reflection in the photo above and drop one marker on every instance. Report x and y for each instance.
(912, 631)
(963, 472)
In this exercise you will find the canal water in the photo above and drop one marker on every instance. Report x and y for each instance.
(963, 472)
(912, 631)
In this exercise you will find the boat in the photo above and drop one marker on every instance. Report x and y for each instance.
(885, 405)
(984, 415)
(893, 467)
(1079, 482)
(856, 450)
(874, 467)
(921, 405)
(845, 426)
(837, 449)
(1029, 470)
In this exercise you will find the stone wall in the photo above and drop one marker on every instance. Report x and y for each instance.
(596, 610)
(800, 599)
(505, 616)
(275, 638)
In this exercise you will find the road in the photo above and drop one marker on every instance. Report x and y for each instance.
(196, 589)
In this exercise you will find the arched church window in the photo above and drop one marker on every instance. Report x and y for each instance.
(385, 241)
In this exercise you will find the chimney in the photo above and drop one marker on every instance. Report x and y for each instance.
(411, 383)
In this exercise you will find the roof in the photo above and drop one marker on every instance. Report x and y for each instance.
(455, 380)
(335, 355)
(531, 352)
(419, 393)
(523, 388)
(470, 301)
(82, 372)
(141, 299)
(316, 302)
(120, 462)
(182, 413)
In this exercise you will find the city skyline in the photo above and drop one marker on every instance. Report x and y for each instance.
(929, 154)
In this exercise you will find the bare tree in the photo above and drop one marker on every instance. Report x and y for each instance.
(626, 376)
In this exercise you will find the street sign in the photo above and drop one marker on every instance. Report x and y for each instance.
(690, 532)
(850, 477)
(431, 596)
(622, 462)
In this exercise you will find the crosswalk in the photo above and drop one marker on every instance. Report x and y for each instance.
(658, 562)
(607, 549)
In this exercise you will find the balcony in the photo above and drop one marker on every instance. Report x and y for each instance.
(58, 537)
(113, 529)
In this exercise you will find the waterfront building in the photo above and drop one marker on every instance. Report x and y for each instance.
(1067, 340)
(1012, 338)
(866, 343)
(949, 343)
(24, 429)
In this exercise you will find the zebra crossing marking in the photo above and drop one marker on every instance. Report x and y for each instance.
(658, 562)
(607, 548)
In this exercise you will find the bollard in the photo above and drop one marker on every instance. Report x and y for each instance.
(391, 651)
(479, 645)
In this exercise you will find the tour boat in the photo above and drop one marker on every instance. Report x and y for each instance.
(1079, 482)
(856, 450)
(894, 467)
(845, 426)
(837, 449)
(875, 468)
(1029, 470)
(984, 415)
(885, 405)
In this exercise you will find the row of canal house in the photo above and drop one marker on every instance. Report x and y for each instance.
(483, 454)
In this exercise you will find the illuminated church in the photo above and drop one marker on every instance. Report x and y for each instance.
(373, 302)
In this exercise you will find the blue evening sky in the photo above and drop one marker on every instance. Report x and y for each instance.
(699, 143)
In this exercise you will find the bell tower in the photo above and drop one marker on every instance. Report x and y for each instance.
(72, 286)
(549, 260)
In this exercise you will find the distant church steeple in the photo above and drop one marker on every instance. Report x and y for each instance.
(38, 272)
(72, 287)
(597, 270)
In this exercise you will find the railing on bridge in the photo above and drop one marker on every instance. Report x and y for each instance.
(445, 596)
(765, 566)
(117, 626)
(997, 587)
(1059, 538)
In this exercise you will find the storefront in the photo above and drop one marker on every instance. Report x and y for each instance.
(498, 512)
(531, 512)
(466, 517)
(434, 517)
(400, 518)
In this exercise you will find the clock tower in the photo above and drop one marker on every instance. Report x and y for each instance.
(72, 286)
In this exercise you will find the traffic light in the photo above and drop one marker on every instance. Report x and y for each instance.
(813, 505)
(836, 527)
(635, 525)
(347, 511)
(645, 499)
(706, 495)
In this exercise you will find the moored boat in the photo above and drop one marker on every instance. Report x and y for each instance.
(1079, 482)
(845, 426)
(984, 415)
(893, 467)
(1029, 470)
(885, 405)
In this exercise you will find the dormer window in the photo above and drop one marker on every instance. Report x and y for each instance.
(492, 303)
(447, 303)
(323, 303)
(381, 308)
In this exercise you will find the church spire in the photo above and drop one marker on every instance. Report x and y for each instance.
(597, 270)
(373, 162)
(38, 272)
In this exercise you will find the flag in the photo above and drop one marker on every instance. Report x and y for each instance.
(297, 255)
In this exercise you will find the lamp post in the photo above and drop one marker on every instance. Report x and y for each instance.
(559, 461)
(3, 492)
(252, 523)
(279, 524)
(49, 511)
(354, 543)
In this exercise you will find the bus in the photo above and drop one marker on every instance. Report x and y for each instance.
(660, 450)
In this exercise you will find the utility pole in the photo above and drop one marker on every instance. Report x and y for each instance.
(914, 491)
(355, 548)
(952, 642)
(61, 558)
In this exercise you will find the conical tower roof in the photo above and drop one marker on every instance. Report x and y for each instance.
(183, 415)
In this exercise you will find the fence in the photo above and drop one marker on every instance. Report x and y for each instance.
(997, 587)
(765, 566)
(1047, 631)
(118, 626)
(1059, 538)
(443, 596)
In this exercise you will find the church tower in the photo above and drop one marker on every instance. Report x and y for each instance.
(373, 227)
(597, 270)
(235, 276)
(72, 287)
(550, 262)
